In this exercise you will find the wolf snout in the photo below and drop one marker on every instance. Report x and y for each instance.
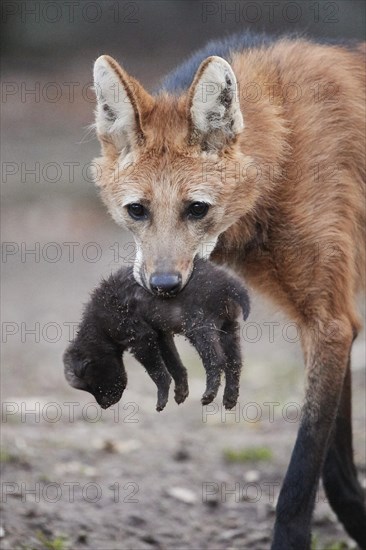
(168, 284)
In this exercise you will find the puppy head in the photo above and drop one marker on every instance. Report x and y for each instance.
(103, 376)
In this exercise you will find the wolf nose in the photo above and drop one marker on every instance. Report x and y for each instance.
(166, 283)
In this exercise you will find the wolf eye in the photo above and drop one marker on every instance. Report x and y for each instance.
(137, 211)
(198, 209)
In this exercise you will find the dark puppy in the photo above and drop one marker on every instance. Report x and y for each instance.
(122, 315)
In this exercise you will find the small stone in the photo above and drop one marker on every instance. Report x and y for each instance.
(2, 532)
(120, 447)
(257, 537)
(82, 538)
(136, 520)
(322, 519)
(109, 446)
(181, 455)
(251, 476)
(262, 511)
(212, 501)
(150, 539)
(182, 494)
(75, 467)
(231, 534)
(31, 513)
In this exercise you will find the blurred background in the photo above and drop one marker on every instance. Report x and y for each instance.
(73, 476)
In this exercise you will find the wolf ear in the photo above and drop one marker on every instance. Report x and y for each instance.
(213, 105)
(120, 100)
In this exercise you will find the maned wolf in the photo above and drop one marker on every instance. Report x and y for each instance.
(122, 315)
(255, 147)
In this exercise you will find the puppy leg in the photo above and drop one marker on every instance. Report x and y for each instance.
(230, 341)
(175, 366)
(209, 347)
(148, 354)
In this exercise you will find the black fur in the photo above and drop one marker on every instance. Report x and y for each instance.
(181, 78)
(122, 315)
(342, 487)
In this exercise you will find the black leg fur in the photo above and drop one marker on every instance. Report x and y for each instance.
(148, 354)
(230, 342)
(340, 481)
(326, 370)
(175, 366)
(209, 347)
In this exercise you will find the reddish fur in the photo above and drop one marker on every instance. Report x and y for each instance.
(298, 239)
(305, 217)
(328, 213)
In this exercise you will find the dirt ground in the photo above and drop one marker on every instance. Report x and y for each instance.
(76, 477)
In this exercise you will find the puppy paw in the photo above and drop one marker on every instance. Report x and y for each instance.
(181, 392)
(208, 397)
(230, 399)
(163, 393)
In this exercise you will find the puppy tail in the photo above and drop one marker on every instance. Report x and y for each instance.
(239, 294)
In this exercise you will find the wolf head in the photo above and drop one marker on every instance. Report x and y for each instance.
(171, 167)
